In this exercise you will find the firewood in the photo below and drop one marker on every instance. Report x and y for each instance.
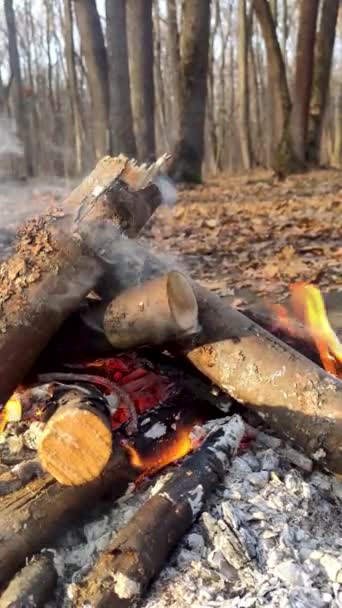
(297, 398)
(33, 585)
(158, 311)
(136, 555)
(58, 260)
(76, 443)
(34, 516)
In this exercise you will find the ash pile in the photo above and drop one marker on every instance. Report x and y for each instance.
(140, 459)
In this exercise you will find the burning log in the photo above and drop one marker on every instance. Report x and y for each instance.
(297, 398)
(33, 585)
(58, 260)
(76, 443)
(123, 571)
(156, 312)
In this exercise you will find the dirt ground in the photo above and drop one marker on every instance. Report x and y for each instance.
(253, 233)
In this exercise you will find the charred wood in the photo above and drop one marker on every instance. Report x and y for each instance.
(136, 555)
(33, 517)
(33, 585)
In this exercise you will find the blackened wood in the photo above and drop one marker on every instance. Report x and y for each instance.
(33, 585)
(136, 555)
(34, 516)
(58, 259)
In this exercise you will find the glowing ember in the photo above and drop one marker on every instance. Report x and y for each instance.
(165, 452)
(11, 412)
(308, 308)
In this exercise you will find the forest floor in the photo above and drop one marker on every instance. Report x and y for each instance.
(254, 234)
(246, 237)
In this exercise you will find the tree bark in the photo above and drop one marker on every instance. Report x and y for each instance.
(189, 150)
(121, 117)
(93, 48)
(300, 400)
(244, 117)
(174, 59)
(140, 45)
(76, 112)
(303, 76)
(19, 98)
(284, 160)
(57, 262)
(324, 46)
(136, 555)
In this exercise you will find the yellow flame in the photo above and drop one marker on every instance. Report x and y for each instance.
(12, 411)
(308, 306)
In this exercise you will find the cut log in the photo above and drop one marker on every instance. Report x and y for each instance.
(76, 443)
(123, 571)
(297, 398)
(159, 311)
(33, 585)
(58, 259)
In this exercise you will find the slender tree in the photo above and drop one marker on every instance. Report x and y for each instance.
(324, 46)
(243, 88)
(18, 91)
(284, 160)
(75, 106)
(189, 151)
(303, 75)
(140, 45)
(174, 58)
(121, 117)
(95, 55)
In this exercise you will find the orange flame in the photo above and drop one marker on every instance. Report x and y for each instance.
(165, 452)
(308, 308)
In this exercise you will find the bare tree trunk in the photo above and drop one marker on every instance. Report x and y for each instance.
(243, 83)
(284, 159)
(303, 75)
(19, 100)
(76, 114)
(162, 133)
(189, 150)
(95, 56)
(174, 58)
(324, 46)
(140, 45)
(121, 117)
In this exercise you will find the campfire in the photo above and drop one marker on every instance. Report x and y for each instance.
(104, 385)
